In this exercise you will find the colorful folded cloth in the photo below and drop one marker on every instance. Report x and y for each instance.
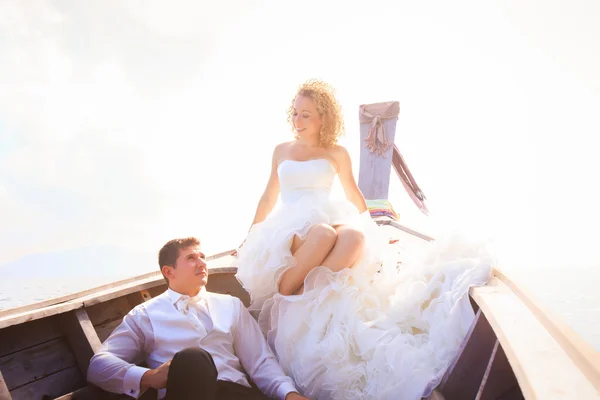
(382, 208)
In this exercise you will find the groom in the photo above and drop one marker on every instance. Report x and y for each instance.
(198, 345)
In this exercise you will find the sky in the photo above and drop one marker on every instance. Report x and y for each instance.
(129, 123)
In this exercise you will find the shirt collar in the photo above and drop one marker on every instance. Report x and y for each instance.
(175, 296)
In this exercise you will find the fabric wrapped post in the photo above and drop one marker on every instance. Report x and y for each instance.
(377, 133)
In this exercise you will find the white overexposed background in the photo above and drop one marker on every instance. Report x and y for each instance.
(125, 124)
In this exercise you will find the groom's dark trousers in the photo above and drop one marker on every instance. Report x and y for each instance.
(193, 376)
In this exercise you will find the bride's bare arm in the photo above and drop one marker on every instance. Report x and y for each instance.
(269, 197)
(344, 167)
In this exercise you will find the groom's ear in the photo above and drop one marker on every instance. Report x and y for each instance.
(167, 271)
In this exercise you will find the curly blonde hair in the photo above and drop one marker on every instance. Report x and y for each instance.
(327, 106)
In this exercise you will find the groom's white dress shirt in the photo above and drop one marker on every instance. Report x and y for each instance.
(157, 329)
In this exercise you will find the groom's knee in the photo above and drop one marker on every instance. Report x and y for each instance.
(197, 360)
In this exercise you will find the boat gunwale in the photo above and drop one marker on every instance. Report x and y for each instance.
(581, 352)
(98, 294)
(62, 299)
(530, 358)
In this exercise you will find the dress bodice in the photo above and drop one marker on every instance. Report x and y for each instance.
(299, 178)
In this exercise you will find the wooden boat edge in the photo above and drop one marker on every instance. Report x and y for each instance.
(579, 350)
(90, 291)
(88, 297)
(543, 366)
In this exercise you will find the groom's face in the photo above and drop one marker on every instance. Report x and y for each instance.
(190, 269)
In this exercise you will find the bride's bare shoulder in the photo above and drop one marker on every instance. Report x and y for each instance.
(282, 147)
(281, 150)
(339, 152)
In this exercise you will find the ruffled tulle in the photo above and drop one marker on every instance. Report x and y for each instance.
(376, 331)
(266, 255)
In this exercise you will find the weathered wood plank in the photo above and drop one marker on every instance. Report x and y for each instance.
(218, 268)
(119, 291)
(110, 310)
(105, 330)
(403, 228)
(29, 334)
(155, 291)
(36, 362)
(86, 301)
(82, 337)
(72, 296)
(16, 319)
(217, 264)
(512, 394)
(463, 377)
(4, 392)
(541, 365)
(95, 298)
(135, 299)
(91, 392)
(212, 260)
(228, 284)
(52, 386)
(138, 298)
(498, 378)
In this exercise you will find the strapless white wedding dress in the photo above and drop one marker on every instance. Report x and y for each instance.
(375, 331)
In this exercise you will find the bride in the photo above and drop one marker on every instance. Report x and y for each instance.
(343, 320)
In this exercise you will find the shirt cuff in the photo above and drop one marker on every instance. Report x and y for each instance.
(284, 389)
(132, 380)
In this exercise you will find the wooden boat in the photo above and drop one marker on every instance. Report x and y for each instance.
(515, 348)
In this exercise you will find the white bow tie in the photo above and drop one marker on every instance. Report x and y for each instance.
(183, 304)
(196, 318)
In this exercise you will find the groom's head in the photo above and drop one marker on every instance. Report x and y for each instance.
(183, 265)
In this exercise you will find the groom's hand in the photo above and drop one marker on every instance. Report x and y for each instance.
(294, 396)
(156, 378)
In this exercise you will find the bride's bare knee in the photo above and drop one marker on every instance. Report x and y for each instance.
(318, 235)
(350, 238)
(323, 234)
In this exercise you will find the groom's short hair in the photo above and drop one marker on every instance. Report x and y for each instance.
(170, 251)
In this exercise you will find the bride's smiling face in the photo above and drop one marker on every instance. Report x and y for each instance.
(306, 118)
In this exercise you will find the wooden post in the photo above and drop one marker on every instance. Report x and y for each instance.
(4, 393)
(82, 337)
(375, 169)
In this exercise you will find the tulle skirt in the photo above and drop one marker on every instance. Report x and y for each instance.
(379, 330)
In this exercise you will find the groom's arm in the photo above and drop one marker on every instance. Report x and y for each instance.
(257, 359)
(113, 368)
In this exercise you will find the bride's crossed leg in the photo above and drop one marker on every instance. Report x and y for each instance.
(334, 247)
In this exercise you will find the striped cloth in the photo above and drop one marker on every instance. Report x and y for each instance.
(382, 208)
